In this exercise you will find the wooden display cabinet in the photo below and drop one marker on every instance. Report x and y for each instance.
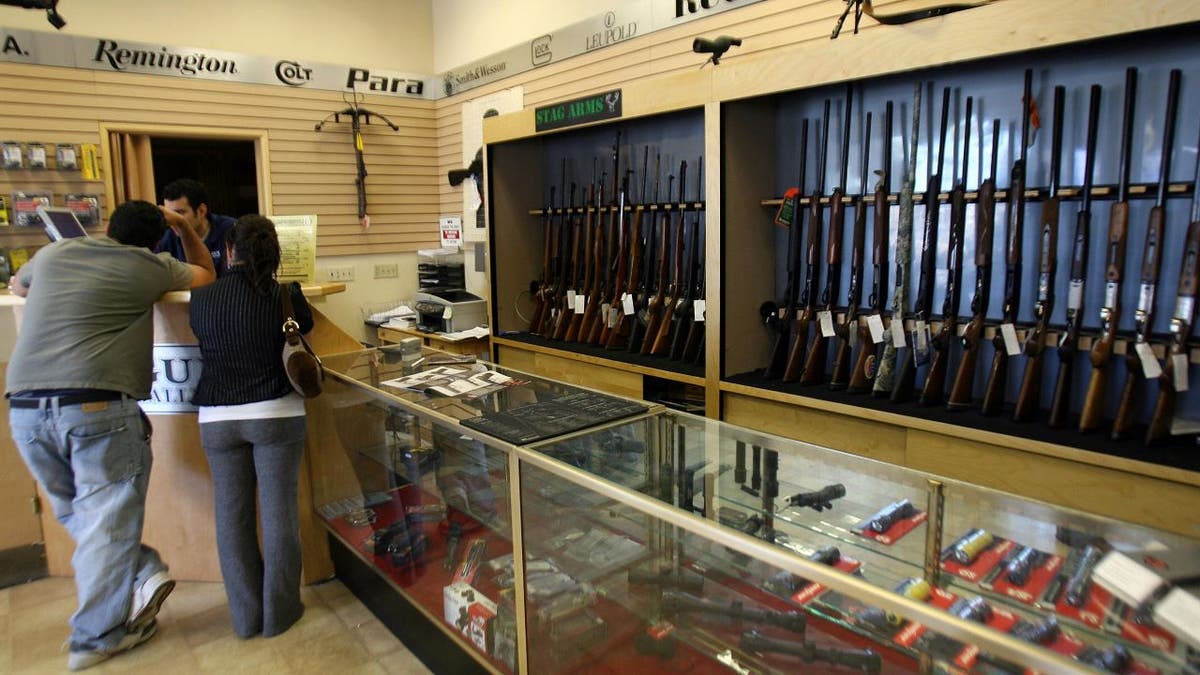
(742, 102)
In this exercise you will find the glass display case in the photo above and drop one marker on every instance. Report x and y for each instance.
(548, 528)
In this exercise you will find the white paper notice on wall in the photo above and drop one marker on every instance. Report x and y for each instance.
(699, 308)
(875, 325)
(450, 231)
(1150, 365)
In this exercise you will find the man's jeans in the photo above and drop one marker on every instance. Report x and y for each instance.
(93, 460)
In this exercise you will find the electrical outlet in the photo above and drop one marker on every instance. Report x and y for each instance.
(339, 273)
(387, 271)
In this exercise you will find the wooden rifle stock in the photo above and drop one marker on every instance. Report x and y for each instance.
(641, 292)
(869, 352)
(570, 241)
(814, 365)
(814, 362)
(808, 313)
(684, 311)
(539, 296)
(1029, 395)
(786, 314)
(1182, 321)
(632, 262)
(963, 387)
(841, 360)
(1060, 404)
(997, 383)
(935, 379)
(587, 235)
(1151, 267)
(654, 306)
(594, 290)
(1092, 413)
(668, 300)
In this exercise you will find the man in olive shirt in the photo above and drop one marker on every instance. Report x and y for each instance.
(81, 363)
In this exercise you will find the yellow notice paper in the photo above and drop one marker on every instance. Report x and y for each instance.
(298, 247)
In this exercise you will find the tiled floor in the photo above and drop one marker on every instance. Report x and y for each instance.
(337, 635)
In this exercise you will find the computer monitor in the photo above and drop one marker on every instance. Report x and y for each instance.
(60, 222)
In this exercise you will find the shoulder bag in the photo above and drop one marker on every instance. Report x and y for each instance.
(304, 369)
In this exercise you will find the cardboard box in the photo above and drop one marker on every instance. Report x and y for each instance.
(472, 613)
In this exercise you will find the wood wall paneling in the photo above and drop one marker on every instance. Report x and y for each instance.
(310, 171)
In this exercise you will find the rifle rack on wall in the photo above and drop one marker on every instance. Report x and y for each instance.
(358, 115)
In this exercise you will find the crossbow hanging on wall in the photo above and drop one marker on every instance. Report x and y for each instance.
(861, 7)
(358, 116)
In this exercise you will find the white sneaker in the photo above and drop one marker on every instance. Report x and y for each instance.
(83, 660)
(148, 599)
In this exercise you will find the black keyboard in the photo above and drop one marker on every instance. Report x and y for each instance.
(547, 419)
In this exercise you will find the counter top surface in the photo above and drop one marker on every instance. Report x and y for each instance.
(7, 298)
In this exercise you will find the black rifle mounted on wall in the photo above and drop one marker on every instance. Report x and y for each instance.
(358, 116)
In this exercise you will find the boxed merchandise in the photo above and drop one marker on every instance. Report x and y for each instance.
(470, 612)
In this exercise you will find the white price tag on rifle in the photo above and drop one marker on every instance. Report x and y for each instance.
(571, 299)
(580, 303)
(875, 325)
(627, 303)
(825, 320)
(1179, 363)
(1150, 365)
(898, 339)
(920, 337)
(698, 307)
(1008, 332)
(612, 312)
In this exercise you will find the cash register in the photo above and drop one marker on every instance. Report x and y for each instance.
(448, 310)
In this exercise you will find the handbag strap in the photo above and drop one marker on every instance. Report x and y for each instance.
(289, 315)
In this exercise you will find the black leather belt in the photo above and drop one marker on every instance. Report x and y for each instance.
(77, 398)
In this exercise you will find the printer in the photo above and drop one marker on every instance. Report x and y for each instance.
(448, 310)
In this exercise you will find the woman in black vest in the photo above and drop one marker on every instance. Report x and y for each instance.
(252, 427)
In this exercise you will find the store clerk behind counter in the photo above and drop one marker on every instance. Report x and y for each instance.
(189, 198)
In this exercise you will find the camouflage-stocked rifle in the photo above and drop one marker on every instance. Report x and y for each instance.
(885, 378)
(906, 378)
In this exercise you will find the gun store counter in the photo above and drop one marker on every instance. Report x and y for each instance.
(537, 526)
(179, 507)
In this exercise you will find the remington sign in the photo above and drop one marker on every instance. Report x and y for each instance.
(124, 56)
(578, 111)
(148, 60)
